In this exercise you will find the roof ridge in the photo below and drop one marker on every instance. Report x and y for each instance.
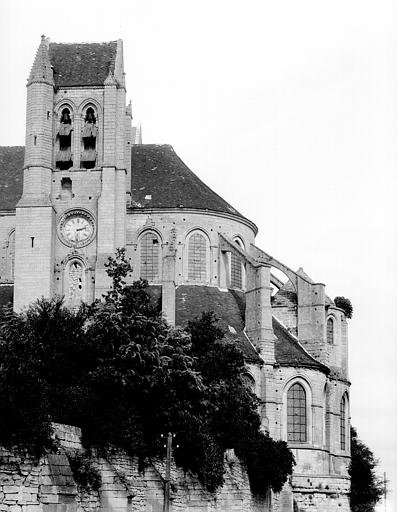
(70, 43)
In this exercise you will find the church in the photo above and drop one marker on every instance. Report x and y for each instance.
(84, 185)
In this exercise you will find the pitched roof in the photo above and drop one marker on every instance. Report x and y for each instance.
(289, 352)
(286, 296)
(82, 63)
(159, 173)
(228, 306)
(11, 175)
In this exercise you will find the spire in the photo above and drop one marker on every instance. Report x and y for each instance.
(41, 70)
(128, 109)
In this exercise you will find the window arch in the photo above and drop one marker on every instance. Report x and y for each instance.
(149, 256)
(197, 257)
(248, 381)
(64, 157)
(236, 267)
(89, 139)
(74, 283)
(343, 423)
(330, 330)
(296, 414)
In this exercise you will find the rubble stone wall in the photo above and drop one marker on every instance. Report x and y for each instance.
(47, 484)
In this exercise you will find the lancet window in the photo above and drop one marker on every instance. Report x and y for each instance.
(343, 424)
(75, 284)
(89, 140)
(330, 331)
(236, 268)
(296, 414)
(149, 256)
(64, 157)
(197, 257)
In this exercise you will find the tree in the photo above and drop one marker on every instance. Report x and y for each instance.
(366, 487)
(344, 304)
(120, 373)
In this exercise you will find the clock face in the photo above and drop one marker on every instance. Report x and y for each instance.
(77, 228)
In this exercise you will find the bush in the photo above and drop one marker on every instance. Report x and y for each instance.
(84, 473)
(345, 305)
(125, 377)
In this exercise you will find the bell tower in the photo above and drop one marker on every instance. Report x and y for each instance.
(71, 216)
(34, 241)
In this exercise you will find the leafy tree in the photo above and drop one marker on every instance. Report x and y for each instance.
(366, 487)
(345, 305)
(118, 371)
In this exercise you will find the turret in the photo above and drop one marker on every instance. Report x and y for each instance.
(34, 244)
(38, 141)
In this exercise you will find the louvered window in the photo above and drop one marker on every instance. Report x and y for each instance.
(89, 135)
(64, 157)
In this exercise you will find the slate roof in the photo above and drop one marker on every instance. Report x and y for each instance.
(11, 175)
(229, 306)
(286, 296)
(82, 63)
(158, 172)
(289, 352)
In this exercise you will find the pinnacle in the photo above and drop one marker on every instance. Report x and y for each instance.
(41, 70)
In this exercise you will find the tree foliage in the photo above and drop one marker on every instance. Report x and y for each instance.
(118, 371)
(366, 487)
(344, 304)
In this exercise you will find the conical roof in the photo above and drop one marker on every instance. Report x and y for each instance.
(160, 179)
(41, 70)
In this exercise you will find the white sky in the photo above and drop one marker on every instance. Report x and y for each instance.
(286, 108)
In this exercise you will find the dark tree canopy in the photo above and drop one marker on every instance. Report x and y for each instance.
(118, 371)
(366, 487)
(345, 305)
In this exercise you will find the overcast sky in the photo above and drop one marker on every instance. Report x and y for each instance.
(288, 109)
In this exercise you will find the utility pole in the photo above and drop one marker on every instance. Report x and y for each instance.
(167, 479)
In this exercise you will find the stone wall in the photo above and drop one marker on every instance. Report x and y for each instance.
(48, 484)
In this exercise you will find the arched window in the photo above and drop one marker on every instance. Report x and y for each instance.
(75, 284)
(330, 331)
(296, 414)
(10, 256)
(64, 154)
(248, 381)
(89, 137)
(236, 268)
(342, 424)
(197, 258)
(149, 256)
